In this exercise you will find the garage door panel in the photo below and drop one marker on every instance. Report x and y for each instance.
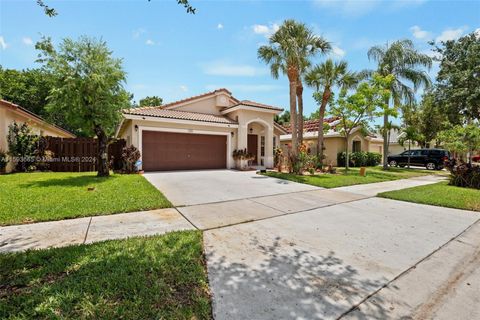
(183, 151)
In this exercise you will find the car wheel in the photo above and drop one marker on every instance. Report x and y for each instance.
(431, 166)
(393, 163)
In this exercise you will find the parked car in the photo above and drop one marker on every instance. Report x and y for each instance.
(432, 159)
(476, 158)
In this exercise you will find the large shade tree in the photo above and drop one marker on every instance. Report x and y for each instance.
(289, 52)
(150, 101)
(407, 65)
(324, 78)
(88, 90)
(458, 81)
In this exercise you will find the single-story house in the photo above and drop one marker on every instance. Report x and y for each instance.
(334, 141)
(10, 112)
(201, 132)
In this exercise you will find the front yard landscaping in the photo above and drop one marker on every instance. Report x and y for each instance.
(34, 197)
(352, 176)
(161, 277)
(439, 194)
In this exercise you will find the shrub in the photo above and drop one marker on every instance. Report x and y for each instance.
(242, 154)
(360, 159)
(130, 156)
(463, 174)
(23, 146)
(3, 160)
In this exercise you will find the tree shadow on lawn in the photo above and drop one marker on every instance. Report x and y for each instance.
(75, 181)
(107, 280)
(290, 283)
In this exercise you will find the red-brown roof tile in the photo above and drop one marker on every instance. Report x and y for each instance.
(179, 115)
(311, 125)
(253, 104)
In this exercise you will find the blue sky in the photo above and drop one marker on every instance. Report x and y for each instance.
(172, 54)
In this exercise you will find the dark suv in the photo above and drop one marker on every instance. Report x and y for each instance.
(432, 159)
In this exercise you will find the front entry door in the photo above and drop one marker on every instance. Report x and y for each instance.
(252, 146)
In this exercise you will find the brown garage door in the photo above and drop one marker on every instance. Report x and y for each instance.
(183, 151)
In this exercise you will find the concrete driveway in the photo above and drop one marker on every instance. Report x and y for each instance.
(207, 186)
(325, 262)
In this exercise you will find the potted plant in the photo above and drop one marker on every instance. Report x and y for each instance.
(242, 158)
(3, 161)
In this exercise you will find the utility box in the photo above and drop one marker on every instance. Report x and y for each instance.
(363, 171)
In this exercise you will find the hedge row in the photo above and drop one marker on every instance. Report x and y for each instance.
(360, 159)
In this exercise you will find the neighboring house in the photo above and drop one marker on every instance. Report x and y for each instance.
(201, 132)
(10, 112)
(334, 141)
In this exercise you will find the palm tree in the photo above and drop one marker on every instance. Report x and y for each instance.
(288, 52)
(325, 77)
(404, 62)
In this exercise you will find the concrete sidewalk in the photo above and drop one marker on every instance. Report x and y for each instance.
(226, 213)
(86, 230)
(372, 189)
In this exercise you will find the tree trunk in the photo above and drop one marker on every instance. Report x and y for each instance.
(347, 160)
(299, 93)
(321, 117)
(292, 78)
(385, 141)
(102, 156)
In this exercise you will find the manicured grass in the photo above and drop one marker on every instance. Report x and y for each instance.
(351, 177)
(161, 277)
(439, 194)
(32, 197)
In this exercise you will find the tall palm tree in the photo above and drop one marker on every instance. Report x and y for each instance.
(288, 52)
(405, 63)
(324, 78)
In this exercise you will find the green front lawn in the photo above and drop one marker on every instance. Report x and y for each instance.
(161, 277)
(439, 194)
(351, 177)
(33, 197)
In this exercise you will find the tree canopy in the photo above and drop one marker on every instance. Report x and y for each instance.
(152, 101)
(28, 88)
(88, 88)
(458, 81)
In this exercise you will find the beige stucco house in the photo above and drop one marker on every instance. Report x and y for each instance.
(334, 141)
(10, 112)
(201, 132)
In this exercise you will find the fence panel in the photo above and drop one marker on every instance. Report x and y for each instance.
(80, 154)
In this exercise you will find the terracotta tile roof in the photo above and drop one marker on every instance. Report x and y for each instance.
(311, 125)
(253, 104)
(180, 115)
(171, 104)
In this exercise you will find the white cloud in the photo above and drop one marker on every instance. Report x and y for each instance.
(138, 32)
(27, 41)
(338, 52)
(3, 44)
(184, 88)
(150, 42)
(420, 34)
(225, 68)
(451, 34)
(265, 30)
(246, 88)
(219, 26)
